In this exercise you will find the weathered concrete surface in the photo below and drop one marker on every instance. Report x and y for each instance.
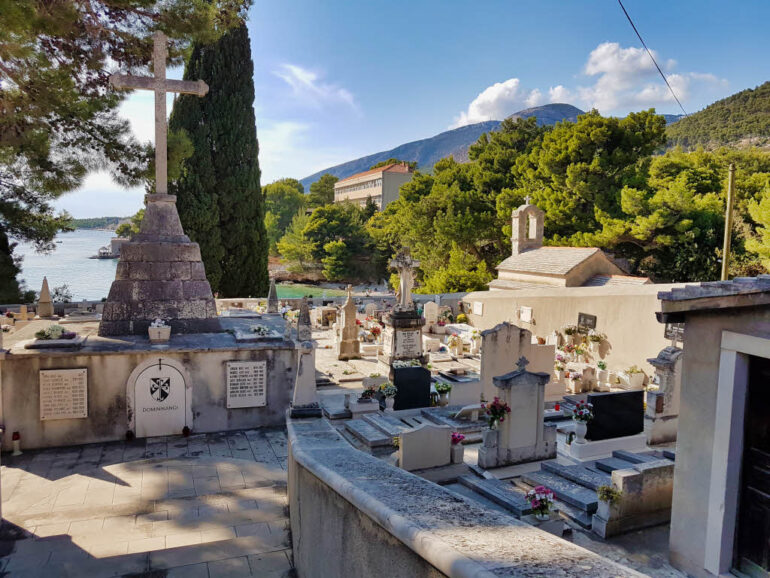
(382, 521)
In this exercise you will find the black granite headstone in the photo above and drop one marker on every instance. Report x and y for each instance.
(616, 414)
(413, 385)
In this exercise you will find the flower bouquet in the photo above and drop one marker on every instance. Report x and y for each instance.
(582, 414)
(540, 500)
(496, 412)
(55, 332)
(457, 450)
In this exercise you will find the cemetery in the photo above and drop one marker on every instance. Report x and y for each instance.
(571, 420)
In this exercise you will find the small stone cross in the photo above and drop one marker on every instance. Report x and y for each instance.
(522, 363)
(527, 199)
(160, 85)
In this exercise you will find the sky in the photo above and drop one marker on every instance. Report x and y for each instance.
(339, 79)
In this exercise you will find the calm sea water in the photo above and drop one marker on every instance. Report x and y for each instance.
(91, 278)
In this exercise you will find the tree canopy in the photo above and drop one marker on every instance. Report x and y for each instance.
(322, 191)
(283, 200)
(394, 161)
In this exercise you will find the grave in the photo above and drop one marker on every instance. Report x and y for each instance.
(661, 417)
(305, 401)
(426, 446)
(523, 436)
(348, 346)
(44, 303)
(304, 330)
(272, 297)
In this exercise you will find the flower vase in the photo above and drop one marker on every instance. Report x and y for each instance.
(389, 402)
(593, 346)
(457, 453)
(581, 428)
(494, 425)
(558, 375)
(443, 399)
(542, 517)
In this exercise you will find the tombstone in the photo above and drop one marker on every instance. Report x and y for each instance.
(370, 309)
(160, 273)
(430, 312)
(523, 436)
(427, 446)
(44, 302)
(348, 346)
(305, 401)
(304, 331)
(272, 298)
(500, 346)
(159, 399)
(662, 415)
(616, 414)
(431, 344)
(22, 315)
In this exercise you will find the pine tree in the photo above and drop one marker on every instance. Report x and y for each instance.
(220, 201)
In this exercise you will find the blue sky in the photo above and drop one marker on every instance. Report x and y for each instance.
(339, 79)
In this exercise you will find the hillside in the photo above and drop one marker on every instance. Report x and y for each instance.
(97, 222)
(453, 142)
(743, 118)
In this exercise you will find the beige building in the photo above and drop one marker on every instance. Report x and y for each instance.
(531, 265)
(380, 184)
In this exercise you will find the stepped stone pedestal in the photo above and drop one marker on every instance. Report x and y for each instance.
(160, 275)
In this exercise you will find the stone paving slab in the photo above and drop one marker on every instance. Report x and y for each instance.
(579, 474)
(564, 489)
(207, 505)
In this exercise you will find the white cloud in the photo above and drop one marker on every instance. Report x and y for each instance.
(559, 94)
(308, 87)
(498, 101)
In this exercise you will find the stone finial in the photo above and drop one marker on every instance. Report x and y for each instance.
(522, 363)
(304, 332)
(272, 298)
(44, 302)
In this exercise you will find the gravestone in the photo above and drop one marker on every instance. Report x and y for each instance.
(44, 302)
(662, 414)
(63, 393)
(616, 414)
(430, 312)
(246, 384)
(370, 309)
(523, 436)
(427, 446)
(304, 331)
(348, 346)
(500, 347)
(272, 298)
(305, 400)
(159, 399)
(160, 273)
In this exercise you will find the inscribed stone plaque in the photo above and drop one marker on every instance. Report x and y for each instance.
(63, 393)
(408, 343)
(160, 400)
(525, 314)
(478, 308)
(387, 340)
(246, 384)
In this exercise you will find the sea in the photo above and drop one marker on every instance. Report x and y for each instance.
(90, 279)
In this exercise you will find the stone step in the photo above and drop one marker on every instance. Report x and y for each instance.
(415, 421)
(390, 426)
(609, 465)
(632, 457)
(584, 476)
(669, 454)
(576, 515)
(367, 433)
(336, 412)
(564, 489)
(500, 492)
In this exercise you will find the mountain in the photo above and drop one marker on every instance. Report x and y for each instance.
(453, 142)
(740, 119)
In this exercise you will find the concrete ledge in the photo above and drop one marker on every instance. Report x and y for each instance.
(602, 448)
(355, 515)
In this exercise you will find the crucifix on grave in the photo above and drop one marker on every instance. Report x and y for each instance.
(160, 273)
(405, 265)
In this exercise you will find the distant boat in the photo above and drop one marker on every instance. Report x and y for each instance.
(105, 253)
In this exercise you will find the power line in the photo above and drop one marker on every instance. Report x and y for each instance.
(652, 57)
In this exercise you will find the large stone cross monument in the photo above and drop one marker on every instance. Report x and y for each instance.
(405, 266)
(160, 273)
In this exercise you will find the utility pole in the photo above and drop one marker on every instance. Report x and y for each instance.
(728, 222)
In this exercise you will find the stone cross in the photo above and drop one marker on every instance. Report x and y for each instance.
(160, 85)
(527, 199)
(404, 264)
(522, 363)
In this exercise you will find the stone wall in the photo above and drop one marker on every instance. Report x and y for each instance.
(108, 374)
(355, 515)
(626, 314)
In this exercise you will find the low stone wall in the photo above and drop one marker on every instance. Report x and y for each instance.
(354, 515)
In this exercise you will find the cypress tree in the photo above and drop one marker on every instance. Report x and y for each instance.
(220, 201)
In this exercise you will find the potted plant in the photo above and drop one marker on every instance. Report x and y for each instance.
(558, 368)
(368, 395)
(540, 500)
(389, 391)
(496, 412)
(575, 381)
(602, 375)
(569, 351)
(443, 390)
(608, 496)
(582, 414)
(462, 318)
(159, 331)
(458, 449)
(455, 344)
(475, 342)
(571, 331)
(633, 377)
(581, 355)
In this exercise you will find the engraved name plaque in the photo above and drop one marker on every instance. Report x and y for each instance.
(63, 393)
(246, 384)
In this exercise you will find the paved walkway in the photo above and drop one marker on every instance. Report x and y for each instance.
(207, 506)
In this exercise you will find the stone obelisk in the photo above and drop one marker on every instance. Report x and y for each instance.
(160, 273)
